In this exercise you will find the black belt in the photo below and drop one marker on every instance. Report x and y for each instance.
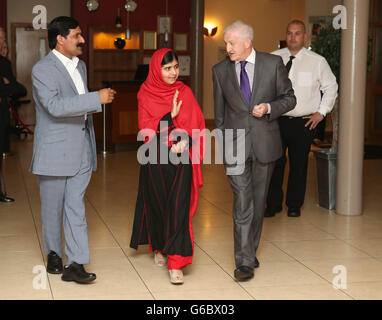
(290, 118)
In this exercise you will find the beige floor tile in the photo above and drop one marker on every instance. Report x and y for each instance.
(212, 220)
(296, 256)
(282, 218)
(112, 296)
(319, 249)
(18, 226)
(213, 235)
(305, 292)
(13, 262)
(98, 239)
(216, 197)
(100, 236)
(8, 213)
(118, 219)
(206, 207)
(19, 286)
(224, 205)
(122, 235)
(355, 269)
(26, 242)
(293, 232)
(365, 290)
(144, 258)
(142, 250)
(280, 273)
(209, 294)
(201, 257)
(108, 282)
(373, 247)
(356, 230)
(196, 277)
(108, 259)
(223, 253)
(326, 220)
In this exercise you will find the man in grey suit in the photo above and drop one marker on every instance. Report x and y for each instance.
(64, 150)
(251, 90)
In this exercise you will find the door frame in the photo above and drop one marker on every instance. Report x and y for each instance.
(14, 26)
(373, 89)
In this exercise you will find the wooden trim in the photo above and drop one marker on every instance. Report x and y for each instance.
(210, 124)
(92, 70)
(373, 89)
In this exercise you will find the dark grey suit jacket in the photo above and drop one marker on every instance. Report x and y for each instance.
(270, 85)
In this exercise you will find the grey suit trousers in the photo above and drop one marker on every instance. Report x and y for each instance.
(62, 202)
(250, 191)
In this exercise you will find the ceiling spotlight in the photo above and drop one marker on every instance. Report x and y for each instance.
(130, 5)
(92, 5)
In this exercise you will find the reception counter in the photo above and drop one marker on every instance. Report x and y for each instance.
(121, 116)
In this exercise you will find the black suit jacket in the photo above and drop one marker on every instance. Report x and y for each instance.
(13, 89)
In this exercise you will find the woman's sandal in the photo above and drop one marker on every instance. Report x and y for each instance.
(176, 278)
(159, 261)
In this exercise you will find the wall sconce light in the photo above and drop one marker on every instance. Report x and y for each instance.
(209, 30)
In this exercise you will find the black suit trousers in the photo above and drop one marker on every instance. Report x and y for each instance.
(297, 139)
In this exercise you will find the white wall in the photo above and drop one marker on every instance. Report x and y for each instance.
(269, 19)
(20, 11)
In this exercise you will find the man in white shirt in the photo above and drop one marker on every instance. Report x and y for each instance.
(64, 151)
(315, 87)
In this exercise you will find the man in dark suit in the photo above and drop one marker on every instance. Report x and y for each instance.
(8, 87)
(251, 90)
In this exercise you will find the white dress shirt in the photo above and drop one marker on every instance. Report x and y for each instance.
(310, 74)
(71, 66)
(250, 69)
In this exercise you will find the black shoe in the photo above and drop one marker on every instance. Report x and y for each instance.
(244, 273)
(54, 263)
(76, 272)
(4, 198)
(257, 263)
(270, 212)
(294, 212)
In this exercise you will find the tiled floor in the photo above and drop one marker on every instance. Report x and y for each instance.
(300, 258)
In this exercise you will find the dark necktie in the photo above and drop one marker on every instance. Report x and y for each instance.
(244, 82)
(289, 64)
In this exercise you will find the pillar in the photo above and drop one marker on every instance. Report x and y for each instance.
(352, 108)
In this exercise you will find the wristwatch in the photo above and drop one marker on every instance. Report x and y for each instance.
(321, 114)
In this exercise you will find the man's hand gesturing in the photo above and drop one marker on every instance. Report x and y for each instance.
(260, 110)
(106, 95)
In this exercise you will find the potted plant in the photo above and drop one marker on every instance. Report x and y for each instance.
(328, 45)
